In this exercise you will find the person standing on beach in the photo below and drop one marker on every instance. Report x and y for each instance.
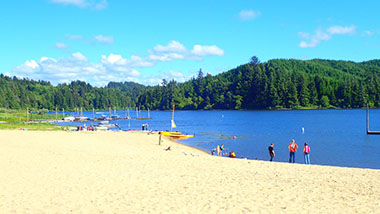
(218, 150)
(306, 153)
(221, 149)
(292, 150)
(271, 151)
(159, 138)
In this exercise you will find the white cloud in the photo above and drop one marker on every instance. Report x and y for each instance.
(173, 46)
(60, 70)
(246, 15)
(104, 39)
(117, 60)
(29, 67)
(311, 41)
(44, 58)
(114, 59)
(341, 30)
(166, 57)
(61, 45)
(314, 40)
(32, 64)
(79, 56)
(213, 50)
(113, 67)
(177, 51)
(137, 61)
(92, 4)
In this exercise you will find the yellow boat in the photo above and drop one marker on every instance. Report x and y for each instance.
(176, 134)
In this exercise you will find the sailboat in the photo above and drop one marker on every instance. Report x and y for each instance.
(175, 134)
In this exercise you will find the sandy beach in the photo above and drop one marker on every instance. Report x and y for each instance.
(121, 172)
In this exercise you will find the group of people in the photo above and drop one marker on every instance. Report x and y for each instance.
(293, 147)
(145, 126)
(85, 128)
(219, 152)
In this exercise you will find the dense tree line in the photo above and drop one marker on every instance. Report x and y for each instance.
(22, 93)
(276, 84)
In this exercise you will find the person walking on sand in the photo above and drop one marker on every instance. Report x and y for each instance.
(271, 151)
(292, 151)
(306, 153)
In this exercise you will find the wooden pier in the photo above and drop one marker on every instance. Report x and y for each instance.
(368, 131)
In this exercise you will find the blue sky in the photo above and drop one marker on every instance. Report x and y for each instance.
(145, 41)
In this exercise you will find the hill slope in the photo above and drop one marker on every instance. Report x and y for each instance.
(278, 83)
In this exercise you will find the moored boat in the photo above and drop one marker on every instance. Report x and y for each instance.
(176, 134)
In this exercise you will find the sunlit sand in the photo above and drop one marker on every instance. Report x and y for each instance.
(120, 172)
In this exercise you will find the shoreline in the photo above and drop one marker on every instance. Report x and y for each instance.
(192, 147)
(179, 143)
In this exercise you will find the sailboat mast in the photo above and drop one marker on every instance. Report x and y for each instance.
(172, 122)
(173, 113)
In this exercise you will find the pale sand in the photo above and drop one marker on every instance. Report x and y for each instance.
(104, 172)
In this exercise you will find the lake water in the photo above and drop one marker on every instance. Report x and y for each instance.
(336, 137)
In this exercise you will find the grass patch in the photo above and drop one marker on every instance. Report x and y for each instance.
(17, 119)
(30, 126)
(17, 116)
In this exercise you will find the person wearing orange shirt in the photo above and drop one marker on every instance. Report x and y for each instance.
(292, 149)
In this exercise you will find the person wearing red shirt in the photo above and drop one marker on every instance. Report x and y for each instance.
(292, 149)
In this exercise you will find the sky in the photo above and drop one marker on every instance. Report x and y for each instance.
(146, 41)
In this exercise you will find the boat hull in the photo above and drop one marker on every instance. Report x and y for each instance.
(176, 135)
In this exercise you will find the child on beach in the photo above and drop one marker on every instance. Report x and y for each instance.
(221, 149)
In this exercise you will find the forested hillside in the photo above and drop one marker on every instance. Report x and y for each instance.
(276, 84)
(22, 93)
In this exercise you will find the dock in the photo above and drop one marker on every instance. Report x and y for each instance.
(369, 132)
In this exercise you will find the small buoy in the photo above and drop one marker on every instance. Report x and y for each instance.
(303, 130)
(222, 115)
(234, 137)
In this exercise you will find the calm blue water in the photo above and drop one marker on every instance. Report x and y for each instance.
(336, 137)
